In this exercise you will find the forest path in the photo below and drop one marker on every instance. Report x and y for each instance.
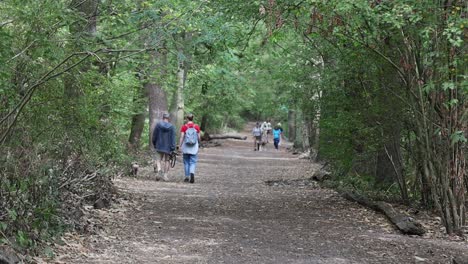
(231, 216)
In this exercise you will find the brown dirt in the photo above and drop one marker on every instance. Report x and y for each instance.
(231, 216)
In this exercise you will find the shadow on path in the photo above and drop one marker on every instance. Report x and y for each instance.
(231, 216)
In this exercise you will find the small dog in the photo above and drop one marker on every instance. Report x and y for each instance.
(135, 168)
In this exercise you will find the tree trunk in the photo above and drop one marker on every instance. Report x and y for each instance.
(179, 104)
(183, 63)
(157, 103)
(305, 132)
(292, 125)
(138, 119)
(204, 119)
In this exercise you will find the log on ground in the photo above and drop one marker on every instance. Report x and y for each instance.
(209, 137)
(404, 223)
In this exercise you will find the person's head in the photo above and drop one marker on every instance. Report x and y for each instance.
(190, 117)
(257, 124)
(166, 117)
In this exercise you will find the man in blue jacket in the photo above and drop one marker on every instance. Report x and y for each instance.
(164, 144)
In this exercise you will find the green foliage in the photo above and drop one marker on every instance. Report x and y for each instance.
(393, 74)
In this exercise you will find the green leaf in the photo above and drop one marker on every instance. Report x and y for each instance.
(458, 137)
(453, 102)
(13, 215)
(3, 226)
(448, 85)
(22, 239)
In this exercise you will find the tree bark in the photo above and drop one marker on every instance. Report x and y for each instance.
(204, 119)
(183, 63)
(292, 125)
(157, 99)
(305, 132)
(138, 119)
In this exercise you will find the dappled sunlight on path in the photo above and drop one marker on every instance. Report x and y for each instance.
(231, 216)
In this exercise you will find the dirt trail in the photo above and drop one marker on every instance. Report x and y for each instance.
(231, 216)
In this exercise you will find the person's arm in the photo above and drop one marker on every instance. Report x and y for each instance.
(182, 134)
(173, 139)
(155, 138)
(181, 138)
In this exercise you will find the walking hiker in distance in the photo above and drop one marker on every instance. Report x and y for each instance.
(189, 143)
(257, 133)
(277, 132)
(164, 144)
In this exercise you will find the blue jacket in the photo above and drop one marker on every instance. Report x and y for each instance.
(164, 137)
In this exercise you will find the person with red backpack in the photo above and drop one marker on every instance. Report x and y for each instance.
(189, 143)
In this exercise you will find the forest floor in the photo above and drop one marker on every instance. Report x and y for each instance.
(230, 215)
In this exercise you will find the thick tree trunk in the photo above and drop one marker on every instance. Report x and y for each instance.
(157, 106)
(179, 104)
(138, 119)
(138, 124)
(292, 125)
(157, 99)
(306, 126)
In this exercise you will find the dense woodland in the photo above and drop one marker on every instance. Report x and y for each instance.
(376, 88)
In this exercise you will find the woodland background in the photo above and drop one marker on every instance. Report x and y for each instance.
(375, 88)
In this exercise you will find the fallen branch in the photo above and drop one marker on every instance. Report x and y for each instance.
(209, 137)
(404, 223)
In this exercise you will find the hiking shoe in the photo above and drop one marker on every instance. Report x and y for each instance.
(192, 178)
(159, 175)
(165, 177)
(186, 179)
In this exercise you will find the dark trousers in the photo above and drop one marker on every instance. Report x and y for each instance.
(276, 142)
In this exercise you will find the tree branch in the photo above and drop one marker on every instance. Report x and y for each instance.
(15, 112)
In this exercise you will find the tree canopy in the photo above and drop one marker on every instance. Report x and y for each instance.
(376, 88)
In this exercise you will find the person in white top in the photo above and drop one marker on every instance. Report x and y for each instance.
(257, 133)
(269, 128)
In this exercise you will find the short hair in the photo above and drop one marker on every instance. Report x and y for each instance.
(190, 117)
(166, 116)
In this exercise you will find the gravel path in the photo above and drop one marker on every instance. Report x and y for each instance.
(231, 216)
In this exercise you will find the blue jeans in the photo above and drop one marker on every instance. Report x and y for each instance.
(190, 163)
(276, 142)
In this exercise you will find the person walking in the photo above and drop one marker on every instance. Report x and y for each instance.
(164, 144)
(269, 129)
(257, 133)
(277, 132)
(189, 143)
